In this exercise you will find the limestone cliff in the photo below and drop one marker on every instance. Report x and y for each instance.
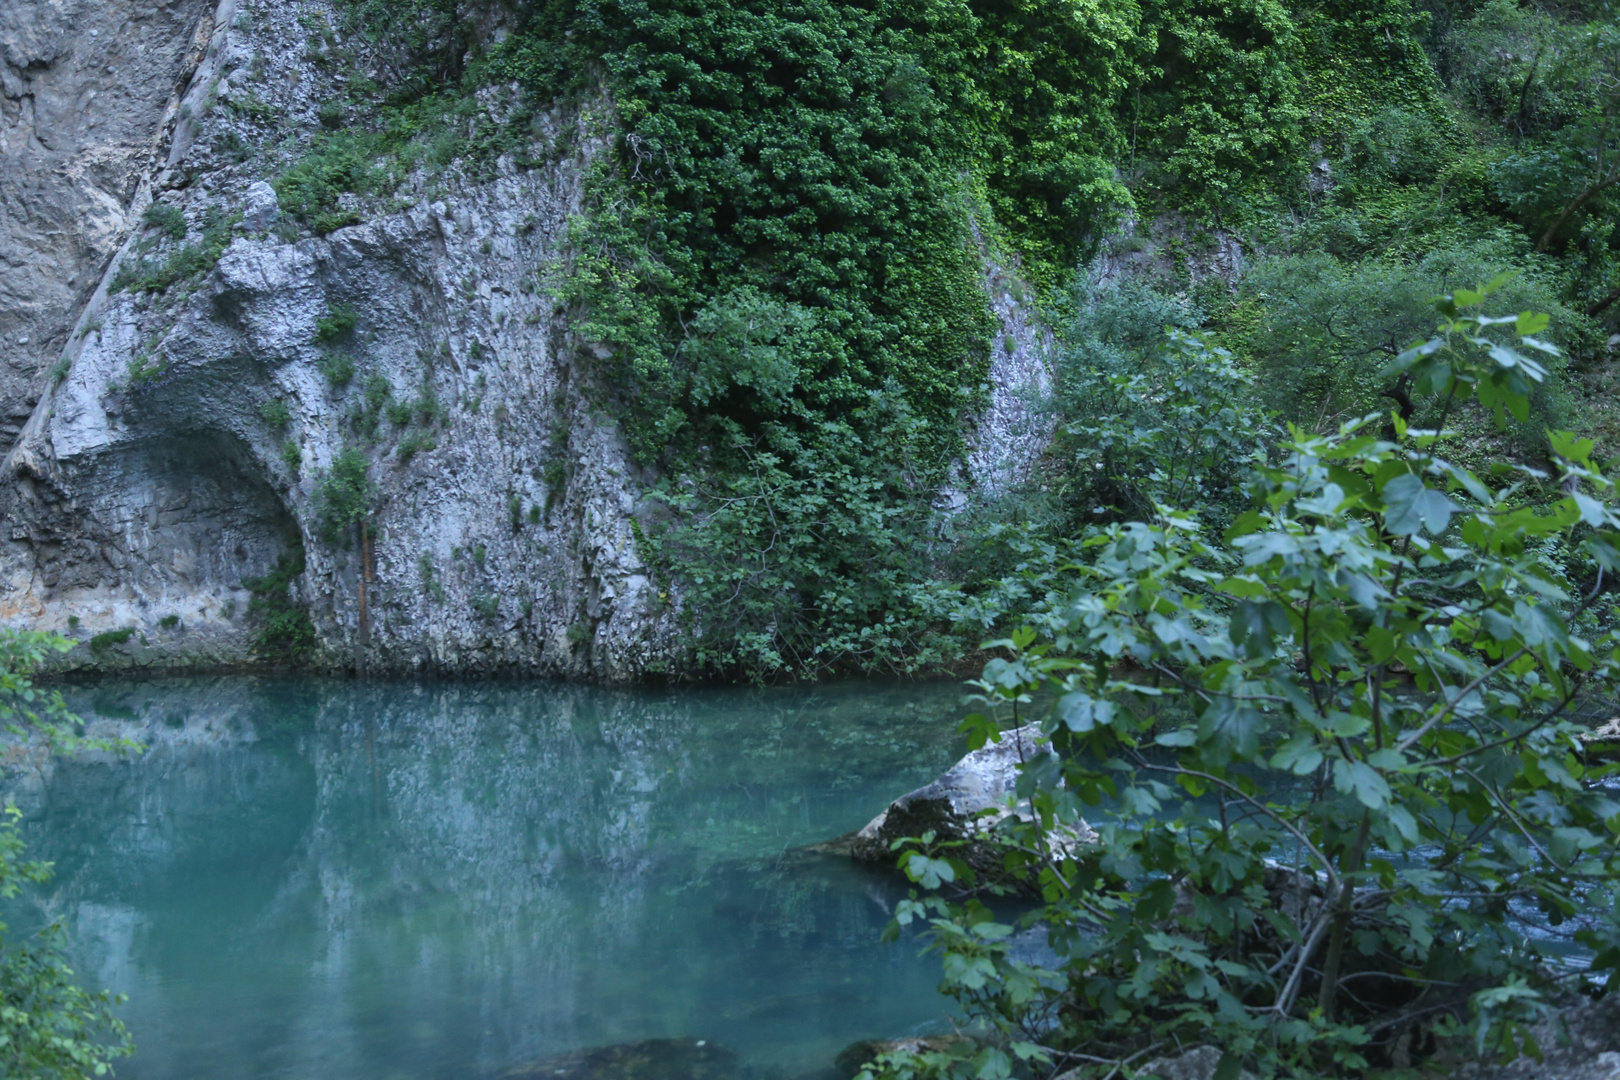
(174, 452)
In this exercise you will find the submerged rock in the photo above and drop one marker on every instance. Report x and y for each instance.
(650, 1059)
(966, 802)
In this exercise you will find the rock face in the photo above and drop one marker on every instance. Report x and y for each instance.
(88, 89)
(954, 805)
(176, 447)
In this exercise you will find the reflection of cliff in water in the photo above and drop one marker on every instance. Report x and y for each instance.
(445, 880)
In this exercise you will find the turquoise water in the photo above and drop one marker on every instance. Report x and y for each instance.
(321, 880)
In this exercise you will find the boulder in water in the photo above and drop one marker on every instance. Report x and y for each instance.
(966, 802)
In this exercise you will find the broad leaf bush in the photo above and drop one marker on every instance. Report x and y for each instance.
(1329, 753)
(50, 1028)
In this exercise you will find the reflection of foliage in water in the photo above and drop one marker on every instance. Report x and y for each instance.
(456, 877)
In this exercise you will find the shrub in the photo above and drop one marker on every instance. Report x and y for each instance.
(485, 605)
(338, 368)
(1335, 749)
(338, 322)
(415, 442)
(275, 413)
(292, 456)
(188, 261)
(102, 642)
(287, 634)
(170, 219)
(169, 622)
(310, 191)
(343, 495)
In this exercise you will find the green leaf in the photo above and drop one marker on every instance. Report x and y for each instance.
(1256, 627)
(1410, 507)
(1299, 755)
(1362, 780)
(1567, 446)
(1531, 322)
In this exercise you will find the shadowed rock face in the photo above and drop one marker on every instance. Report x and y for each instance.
(87, 88)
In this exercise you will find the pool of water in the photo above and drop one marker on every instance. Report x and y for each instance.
(304, 879)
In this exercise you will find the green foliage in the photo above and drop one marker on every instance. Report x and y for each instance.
(807, 557)
(50, 1028)
(185, 263)
(366, 416)
(1179, 430)
(292, 456)
(415, 441)
(1324, 329)
(170, 622)
(430, 584)
(338, 368)
(275, 413)
(1328, 753)
(163, 216)
(336, 324)
(101, 642)
(1223, 104)
(24, 707)
(343, 495)
(485, 605)
(287, 635)
(311, 190)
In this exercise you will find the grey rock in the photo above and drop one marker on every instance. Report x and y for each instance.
(259, 207)
(89, 91)
(966, 802)
(1579, 1041)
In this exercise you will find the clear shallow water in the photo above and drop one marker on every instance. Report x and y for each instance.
(323, 880)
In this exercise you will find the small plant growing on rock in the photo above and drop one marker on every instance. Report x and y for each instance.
(275, 413)
(169, 622)
(337, 323)
(343, 495)
(430, 583)
(101, 642)
(292, 456)
(338, 369)
(415, 442)
(287, 634)
(485, 605)
(170, 219)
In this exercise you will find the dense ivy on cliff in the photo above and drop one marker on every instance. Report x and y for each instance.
(779, 272)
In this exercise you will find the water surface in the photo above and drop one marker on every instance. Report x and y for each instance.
(319, 880)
